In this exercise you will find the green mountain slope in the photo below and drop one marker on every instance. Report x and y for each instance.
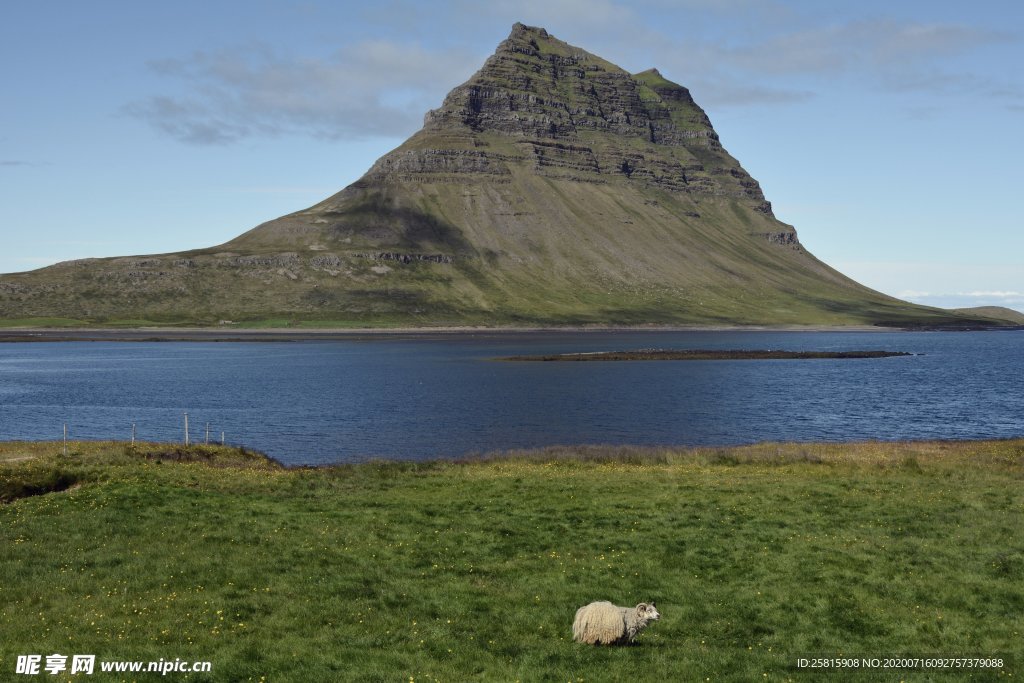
(997, 312)
(551, 188)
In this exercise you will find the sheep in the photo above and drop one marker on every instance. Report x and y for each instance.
(602, 623)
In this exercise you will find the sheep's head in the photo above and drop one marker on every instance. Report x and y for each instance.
(647, 612)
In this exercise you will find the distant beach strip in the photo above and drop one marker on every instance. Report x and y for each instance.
(704, 354)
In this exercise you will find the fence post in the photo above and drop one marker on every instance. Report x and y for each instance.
(133, 433)
(65, 439)
(186, 429)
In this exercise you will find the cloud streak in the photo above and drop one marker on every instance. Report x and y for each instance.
(873, 44)
(883, 54)
(371, 89)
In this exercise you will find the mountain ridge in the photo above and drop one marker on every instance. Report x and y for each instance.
(551, 188)
(998, 312)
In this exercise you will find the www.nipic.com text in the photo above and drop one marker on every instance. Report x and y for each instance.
(54, 664)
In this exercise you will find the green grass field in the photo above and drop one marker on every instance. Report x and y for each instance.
(448, 571)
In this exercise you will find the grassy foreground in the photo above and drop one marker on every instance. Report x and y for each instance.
(442, 571)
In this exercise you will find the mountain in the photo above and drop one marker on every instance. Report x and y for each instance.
(551, 188)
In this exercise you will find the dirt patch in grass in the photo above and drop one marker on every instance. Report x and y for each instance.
(35, 483)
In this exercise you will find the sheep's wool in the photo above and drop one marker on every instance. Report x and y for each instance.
(602, 623)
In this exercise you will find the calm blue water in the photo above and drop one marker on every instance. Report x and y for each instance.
(319, 402)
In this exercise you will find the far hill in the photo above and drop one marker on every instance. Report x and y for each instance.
(995, 312)
(552, 188)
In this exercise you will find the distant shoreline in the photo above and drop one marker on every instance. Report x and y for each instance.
(231, 334)
(703, 354)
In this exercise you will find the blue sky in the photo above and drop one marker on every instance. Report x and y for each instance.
(890, 134)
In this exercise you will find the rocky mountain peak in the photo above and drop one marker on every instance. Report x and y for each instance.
(521, 29)
(546, 107)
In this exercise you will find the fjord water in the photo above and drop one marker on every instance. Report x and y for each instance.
(416, 397)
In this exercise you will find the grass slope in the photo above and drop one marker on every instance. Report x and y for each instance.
(577, 257)
(472, 571)
(997, 312)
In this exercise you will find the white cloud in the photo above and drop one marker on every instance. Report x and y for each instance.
(865, 44)
(727, 91)
(779, 66)
(993, 295)
(373, 88)
(913, 294)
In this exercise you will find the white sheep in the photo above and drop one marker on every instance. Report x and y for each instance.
(602, 623)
